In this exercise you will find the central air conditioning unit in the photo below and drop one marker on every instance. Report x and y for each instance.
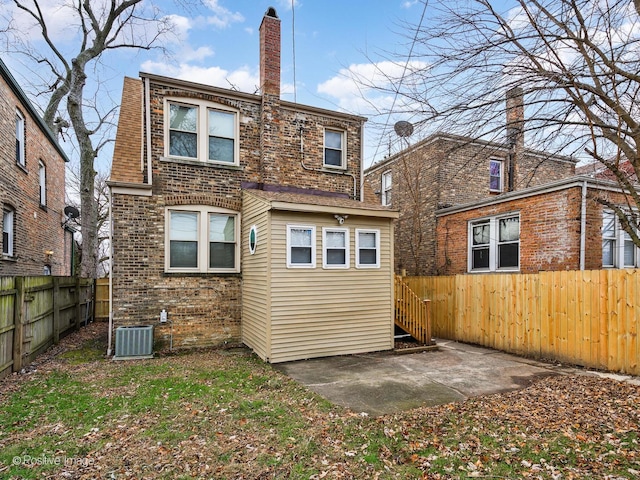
(134, 342)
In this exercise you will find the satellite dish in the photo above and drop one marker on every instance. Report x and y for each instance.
(403, 128)
(71, 212)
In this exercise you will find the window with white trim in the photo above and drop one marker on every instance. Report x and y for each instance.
(335, 247)
(42, 182)
(204, 131)
(334, 149)
(618, 250)
(301, 246)
(495, 175)
(367, 248)
(202, 239)
(386, 188)
(494, 244)
(20, 136)
(8, 217)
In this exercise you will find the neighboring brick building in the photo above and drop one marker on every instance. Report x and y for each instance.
(444, 170)
(184, 154)
(556, 226)
(32, 189)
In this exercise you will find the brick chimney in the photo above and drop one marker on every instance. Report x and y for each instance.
(270, 53)
(515, 133)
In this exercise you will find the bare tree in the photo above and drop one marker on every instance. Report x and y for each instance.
(577, 62)
(95, 28)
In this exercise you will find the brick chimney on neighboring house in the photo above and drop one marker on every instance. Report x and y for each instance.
(270, 53)
(515, 133)
(270, 129)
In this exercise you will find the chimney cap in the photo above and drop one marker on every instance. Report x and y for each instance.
(271, 12)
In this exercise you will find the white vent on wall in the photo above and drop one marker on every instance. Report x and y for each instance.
(134, 342)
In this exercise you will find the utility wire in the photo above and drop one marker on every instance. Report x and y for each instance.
(404, 71)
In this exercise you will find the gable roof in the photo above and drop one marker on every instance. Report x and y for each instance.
(462, 140)
(15, 88)
(126, 166)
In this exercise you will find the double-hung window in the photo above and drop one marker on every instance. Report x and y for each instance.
(386, 188)
(334, 149)
(367, 248)
(42, 180)
(202, 239)
(204, 132)
(301, 246)
(618, 250)
(20, 137)
(495, 175)
(335, 247)
(8, 217)
(494, 244)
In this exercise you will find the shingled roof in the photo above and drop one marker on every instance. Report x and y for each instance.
(127, 154)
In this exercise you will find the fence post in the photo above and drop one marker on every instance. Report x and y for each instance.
(77, 303)
(56, 310)
(18, 331)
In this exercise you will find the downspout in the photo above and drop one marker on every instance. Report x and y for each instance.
(361, 160)
(147, 121)
(583, 224)
(110, 275)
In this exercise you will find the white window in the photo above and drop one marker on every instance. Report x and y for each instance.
(20, 149)
(202, 239)
(386, 188)
(335, 247)
(494, 244)
(301, 246)
(495, 176)
(618, 250)
(42, 176)
(205, 132)
(7, 232)
(334, 150)
(367, 248)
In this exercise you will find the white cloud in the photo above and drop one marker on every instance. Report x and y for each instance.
(222, 17)
(286, 4)
(409, 3)
(243, 79)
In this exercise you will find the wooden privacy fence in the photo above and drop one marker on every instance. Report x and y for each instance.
(588, 318)
(102, 299)
(35, 312)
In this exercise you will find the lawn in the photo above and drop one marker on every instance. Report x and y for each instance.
(225, 414)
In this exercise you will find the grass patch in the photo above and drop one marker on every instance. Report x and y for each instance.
(212, 415)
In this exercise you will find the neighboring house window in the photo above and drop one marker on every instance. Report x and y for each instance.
(386, 188)
(495, 175)
(335, 248)
(618, 250)
(20, 148)
(334, 152)
(367, 248)
(205, 131)
(494, 244)
(8, 218)
(301, 246)
(42, 171)
(202, 239)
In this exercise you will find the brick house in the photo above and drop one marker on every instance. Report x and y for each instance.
(241, 216)
(32, 189)
(444, 170)
(555, 226)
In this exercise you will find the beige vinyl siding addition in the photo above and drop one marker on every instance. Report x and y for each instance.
(322, 312)
(256, 278)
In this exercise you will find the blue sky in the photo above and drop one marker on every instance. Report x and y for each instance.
(218, 44)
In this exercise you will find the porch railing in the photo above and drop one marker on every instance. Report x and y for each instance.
(412, 313)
